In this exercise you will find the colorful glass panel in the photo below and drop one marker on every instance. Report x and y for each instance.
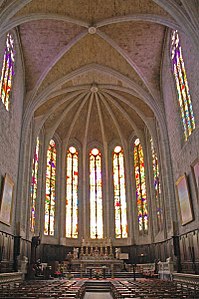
(120, 206)
(72, 193)
(140, 181)
(34, 185)
(50, 201)
(157, 186)
(96, 207)
(7, 71)
(184, 98)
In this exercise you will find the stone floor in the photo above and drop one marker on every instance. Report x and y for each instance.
(92, 295)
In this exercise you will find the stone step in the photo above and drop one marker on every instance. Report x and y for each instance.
(98, 290)
(108, 275)
(91, 295)
(97, 286)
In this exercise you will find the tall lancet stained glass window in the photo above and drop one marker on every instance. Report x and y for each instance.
(96, 204)
(157, 186)
(140, 182)
(7, 71)
(50, 202)
(34, 183)
(72, 193)
(119, 188)
(182, 85)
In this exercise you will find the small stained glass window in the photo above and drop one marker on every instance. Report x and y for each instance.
(35, 164)
(140, 182)
(180, 76)
(72, 176)
(157, 186)
(119, 187)
(96, 202)
(50, 202)
(7, 71)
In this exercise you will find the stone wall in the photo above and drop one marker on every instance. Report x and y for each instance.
(10, 130)
(183, 153)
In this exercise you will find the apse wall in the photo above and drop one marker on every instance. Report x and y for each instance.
(10, 136)
(184, 154)
(10, 127)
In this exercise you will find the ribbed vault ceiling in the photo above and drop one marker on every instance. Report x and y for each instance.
(92, 68)
(97, 113)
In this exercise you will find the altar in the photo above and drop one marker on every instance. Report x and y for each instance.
(96, 254)
(97, 272)
(111, 265)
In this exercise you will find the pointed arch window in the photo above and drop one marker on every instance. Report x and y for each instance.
(72, 193)
(34, 183)
(184, 98)
(140, 182)
(119, 187)
(157, 186)
(50, 201)
(7, 71)
(96, 205)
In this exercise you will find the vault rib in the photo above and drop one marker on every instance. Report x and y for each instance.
(67, 138)
(73, 42)
(119, 50)
(140, 17)
(121, 109)
(122, 139)
(67, 110)
(55, 106)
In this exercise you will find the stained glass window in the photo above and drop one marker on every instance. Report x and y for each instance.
(50, 201)
(157, 186)
(34, 185)
(140, 181)
(7, 71)
(72, 193)
(121, 229)
(182, 85)
(96, 208)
